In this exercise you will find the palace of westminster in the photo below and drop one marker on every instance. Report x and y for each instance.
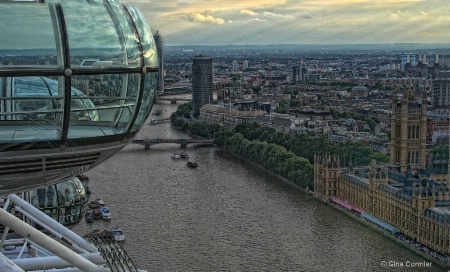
(402, 193)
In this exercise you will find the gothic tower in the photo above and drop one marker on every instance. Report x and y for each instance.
(327, 174)
(378, 175)
(408, 130)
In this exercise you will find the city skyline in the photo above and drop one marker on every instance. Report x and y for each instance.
(200, 22)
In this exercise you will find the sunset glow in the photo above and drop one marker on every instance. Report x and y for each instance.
(187, 22)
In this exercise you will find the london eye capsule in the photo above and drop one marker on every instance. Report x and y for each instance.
(77, 82)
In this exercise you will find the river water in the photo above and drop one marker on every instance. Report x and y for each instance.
(227, 215)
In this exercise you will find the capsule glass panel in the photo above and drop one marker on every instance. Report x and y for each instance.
(105, 106)
(77, 81)
(148, 43)
(97, 40)
(150, 82)
(32, 108)
(29, 41)
(131, 55)
(65, 201)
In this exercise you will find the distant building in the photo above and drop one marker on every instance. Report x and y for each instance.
(423, 69)
(245, 65)
(295, 74)
(408, 58)
(226, 117)
(437, 121)
(440, 94)
(236, 77)
(409, 130)
(159, 50)
(393, 199)
(399, 203)
(360, 91)
(384, 116)
(235, 65)
(202, 82)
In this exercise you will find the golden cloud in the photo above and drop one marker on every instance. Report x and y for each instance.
(279, 16)
(196, 17)
(248, 12)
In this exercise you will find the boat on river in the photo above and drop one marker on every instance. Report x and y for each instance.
(89, 216)
(106, 215)
(93, 205)
(117, 234)
(192, 164)
(100, 202)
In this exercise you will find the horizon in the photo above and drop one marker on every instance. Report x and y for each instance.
(264, 22)
(313, 44)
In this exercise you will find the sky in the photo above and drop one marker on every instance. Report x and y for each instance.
(246, 22)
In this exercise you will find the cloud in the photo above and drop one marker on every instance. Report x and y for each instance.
(196, 17)
(279, 16)
(248, 12)
(396, 14)
(257, 20)
(305, 15)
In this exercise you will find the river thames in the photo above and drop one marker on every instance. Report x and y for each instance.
(227, 215)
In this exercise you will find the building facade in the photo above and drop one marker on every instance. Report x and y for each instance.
(236, 77)
(408, 130)
(438, 124)
(225, 117)
(160, 52)
(440, 94)
(420, 209)
(202, 82)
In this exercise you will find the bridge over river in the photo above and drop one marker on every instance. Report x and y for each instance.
(172, 99)
(159, 121)
(182, 142)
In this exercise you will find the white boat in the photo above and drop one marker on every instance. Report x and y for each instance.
(184, 155)
(100, 202)
(117, 233)
(106, 215)
(176, 156)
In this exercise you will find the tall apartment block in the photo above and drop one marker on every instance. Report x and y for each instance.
(440, 94)
(245, 65)
(237, 84)
(159, 50)
(202, 82)
(235, 65)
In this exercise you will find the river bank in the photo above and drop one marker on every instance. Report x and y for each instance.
(357, 218)
(441, 264)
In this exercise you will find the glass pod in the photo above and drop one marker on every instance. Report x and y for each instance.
(77, 82)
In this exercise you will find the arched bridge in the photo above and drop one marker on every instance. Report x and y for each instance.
(159, 121)
(182, 142)
(173, 100)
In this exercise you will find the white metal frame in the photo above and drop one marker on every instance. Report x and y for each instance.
(81, 256)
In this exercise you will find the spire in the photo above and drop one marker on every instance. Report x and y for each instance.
(408, 181)
(350, 164)
(424, 96)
